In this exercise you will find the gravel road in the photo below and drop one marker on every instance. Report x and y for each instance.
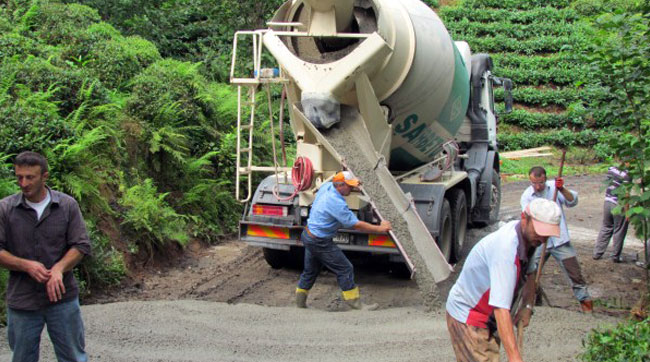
(190, 330)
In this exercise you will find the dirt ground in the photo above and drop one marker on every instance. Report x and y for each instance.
(233, 272)
(224, 303)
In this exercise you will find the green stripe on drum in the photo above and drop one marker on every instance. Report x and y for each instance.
(453, 113)
(402, 160)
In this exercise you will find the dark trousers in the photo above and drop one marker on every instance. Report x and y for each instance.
(321, 252)
(614, 227)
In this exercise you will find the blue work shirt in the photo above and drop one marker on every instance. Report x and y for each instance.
(329, 212)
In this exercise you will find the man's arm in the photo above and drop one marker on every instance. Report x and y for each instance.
(527, 301)
(383, 227)
(55, 286)
(570, 197)
(36, 270)
(507, 334)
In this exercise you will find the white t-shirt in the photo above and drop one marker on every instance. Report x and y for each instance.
(40, 206)
(488, 279)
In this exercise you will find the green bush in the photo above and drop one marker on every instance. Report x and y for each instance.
(628, 341)
(516, 140)
(150, 220)
(106, 266)
(115, 61)
(57, 23)
(485, 15)
(516, 4)
(65, 83)
(543, 96)
(7, 181)
(574, 117)
(15, 45)
(30, 117)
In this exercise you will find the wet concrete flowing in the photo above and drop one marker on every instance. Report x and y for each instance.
(346, 142)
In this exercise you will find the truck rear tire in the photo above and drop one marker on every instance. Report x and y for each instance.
(445, 235)
(495, 201)
(458, 204)
(277, 259)
(495, 197)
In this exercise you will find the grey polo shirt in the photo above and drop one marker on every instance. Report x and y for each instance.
(47, 240)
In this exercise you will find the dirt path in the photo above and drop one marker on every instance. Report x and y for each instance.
(224, 303)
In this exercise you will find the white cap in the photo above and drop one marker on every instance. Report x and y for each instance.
(546, 216)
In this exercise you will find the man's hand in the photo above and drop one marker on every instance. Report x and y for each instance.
(559, 183)
(523, 316)
(384, 226)
(55, 287)
(36, 270)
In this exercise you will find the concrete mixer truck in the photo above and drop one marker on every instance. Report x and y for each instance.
(377, 87)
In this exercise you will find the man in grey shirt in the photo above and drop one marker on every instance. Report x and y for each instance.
(560, 247)
(42, 238)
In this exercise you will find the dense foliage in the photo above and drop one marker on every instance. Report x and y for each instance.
(628, 341)
(620, 59)
(188, 30)
(145, 143)
(541, 46)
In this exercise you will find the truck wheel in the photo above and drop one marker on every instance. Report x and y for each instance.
(444, 238)
(495, 202)
(458, 204)
(277, 259)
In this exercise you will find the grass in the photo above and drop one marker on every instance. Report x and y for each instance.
(579, 161)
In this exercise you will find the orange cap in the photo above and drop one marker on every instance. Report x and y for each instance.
(346, 176)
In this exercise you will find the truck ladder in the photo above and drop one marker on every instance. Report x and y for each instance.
(246, 98)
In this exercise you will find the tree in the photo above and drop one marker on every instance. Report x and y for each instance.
(620, 62)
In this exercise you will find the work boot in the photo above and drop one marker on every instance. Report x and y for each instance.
(301, 297)
(352, 299)
(357, 305)
(587, 306)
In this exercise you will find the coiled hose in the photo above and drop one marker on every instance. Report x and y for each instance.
(302, 174)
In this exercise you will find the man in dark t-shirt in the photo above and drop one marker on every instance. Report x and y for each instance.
(42, 238)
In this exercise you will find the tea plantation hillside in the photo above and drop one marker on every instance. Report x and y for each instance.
(541, 46)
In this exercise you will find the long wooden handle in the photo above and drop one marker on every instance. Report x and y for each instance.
(559, 173)
(538, 276)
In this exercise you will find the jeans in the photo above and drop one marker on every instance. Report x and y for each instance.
(321, 252)
(64, 325)
(566, 256)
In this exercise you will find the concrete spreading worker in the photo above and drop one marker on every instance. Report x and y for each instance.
(560, 247)
(479, 303)
(330, 212)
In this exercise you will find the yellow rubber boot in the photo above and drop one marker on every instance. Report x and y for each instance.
(352, 299)
(301, 297)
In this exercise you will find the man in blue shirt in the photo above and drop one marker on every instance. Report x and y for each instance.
(330, 212)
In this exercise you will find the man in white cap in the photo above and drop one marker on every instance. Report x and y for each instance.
(479, 303)
(329, 212)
